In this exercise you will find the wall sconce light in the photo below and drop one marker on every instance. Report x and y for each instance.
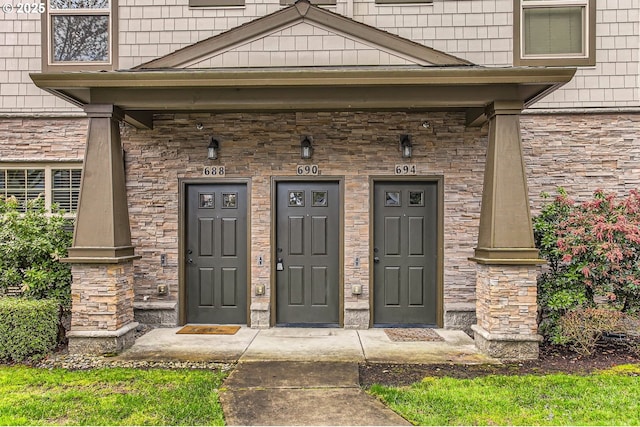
(212, 149)
(306, 150)
(405, 146)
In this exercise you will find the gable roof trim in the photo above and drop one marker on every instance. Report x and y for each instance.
(303, 11)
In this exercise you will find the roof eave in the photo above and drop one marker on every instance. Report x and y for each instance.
(304, 77)
(325, 89)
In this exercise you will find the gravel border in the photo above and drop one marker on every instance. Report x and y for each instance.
(62, 359)
(77, 362)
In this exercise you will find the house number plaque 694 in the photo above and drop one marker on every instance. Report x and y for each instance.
(214, 171)
(406, 170)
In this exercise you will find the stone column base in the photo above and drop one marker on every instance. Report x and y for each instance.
(260, 315)
(161, 313)
(506, 346)
(102, 342)
(356, 315)
(460, 317)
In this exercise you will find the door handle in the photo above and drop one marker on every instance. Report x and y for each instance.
(190, 261)
(376, 259)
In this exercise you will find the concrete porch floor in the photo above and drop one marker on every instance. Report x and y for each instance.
(303, 345)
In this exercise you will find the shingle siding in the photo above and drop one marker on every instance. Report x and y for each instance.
(479, 31)
(615, 79)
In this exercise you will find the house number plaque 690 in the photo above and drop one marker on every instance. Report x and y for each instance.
(406, 170)
(214, 171)
(307, 170)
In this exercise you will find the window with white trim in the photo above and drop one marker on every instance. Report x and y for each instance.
(401, 2)
(80, 33)
(554, 32)
(58, 184)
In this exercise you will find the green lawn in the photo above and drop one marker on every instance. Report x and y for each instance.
(607, 398)
(113, 396)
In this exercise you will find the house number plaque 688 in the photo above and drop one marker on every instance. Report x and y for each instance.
(214, 171)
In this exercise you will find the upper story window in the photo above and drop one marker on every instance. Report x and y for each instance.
(215, 3)
(315, 2)
(401, 2)
(58, 184)
(554, 32)
(80, 34)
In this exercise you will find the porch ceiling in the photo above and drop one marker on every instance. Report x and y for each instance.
(141, 93)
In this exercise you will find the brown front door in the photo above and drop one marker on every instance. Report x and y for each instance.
(216, 258)
(307, 254)
(405, 253)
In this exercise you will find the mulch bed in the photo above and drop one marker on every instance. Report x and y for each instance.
(553, 359)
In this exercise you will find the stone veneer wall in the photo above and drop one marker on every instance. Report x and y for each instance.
(582, 153)
(507, 311)
(102, 308)
(259, 146)
(42, 139)
(509, 304)
(101, 296)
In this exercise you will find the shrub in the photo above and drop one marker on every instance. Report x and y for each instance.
(600, 244)
(32, 241)
(583, 328)
(593, 253)
(558, 291)
(28, 328)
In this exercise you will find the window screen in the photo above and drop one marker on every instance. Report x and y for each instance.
(66, 188)
(553, 31)
(23, 184)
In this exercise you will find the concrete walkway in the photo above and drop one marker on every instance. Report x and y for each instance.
(301, 393)
(303, 345)
(302, 376)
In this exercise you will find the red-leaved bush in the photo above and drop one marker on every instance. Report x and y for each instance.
(593, 254)
(600, 242)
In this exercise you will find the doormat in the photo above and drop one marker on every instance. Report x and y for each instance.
(209, 330)
(412, 334)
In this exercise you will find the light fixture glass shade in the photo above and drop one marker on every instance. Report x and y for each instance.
(306, 150)
(212, 149)
(405, 146)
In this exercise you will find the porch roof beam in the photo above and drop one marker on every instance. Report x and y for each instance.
(468, 88)
(309, 76)
(307, 98)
